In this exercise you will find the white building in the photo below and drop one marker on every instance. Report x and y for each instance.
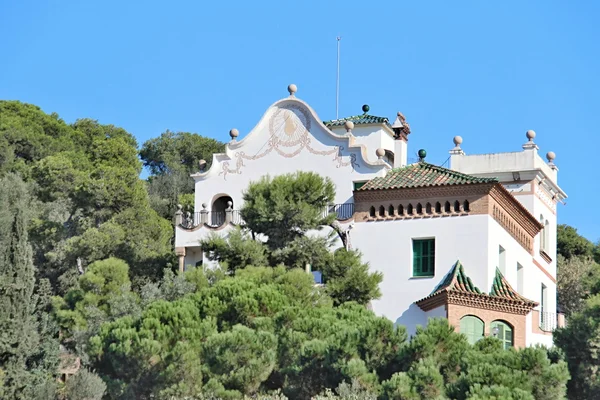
(475, 243)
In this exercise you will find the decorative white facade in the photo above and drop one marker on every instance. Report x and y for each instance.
(501, 230)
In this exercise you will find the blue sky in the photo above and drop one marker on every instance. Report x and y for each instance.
(487, 71)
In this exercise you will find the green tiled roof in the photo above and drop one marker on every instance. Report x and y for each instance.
(362, 119)
(422, 174)
(501, 288)
(456, 280)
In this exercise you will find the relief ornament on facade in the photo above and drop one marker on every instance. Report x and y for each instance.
(289, 128)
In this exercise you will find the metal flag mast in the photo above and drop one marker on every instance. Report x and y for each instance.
(337, 80)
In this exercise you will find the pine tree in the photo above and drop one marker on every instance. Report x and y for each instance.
(19, 336)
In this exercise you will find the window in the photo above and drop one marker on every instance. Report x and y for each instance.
(543, 302)
(466, 205)
(423, 257)
(502, 331)
(519, 278)
(447, 207)
(372, 212)
(543, 234)
(358, 185)
(400, 209)
(547, 237)
(382, 211)
(472, 328)
(438, 208)
(391, 210)
(502, 260)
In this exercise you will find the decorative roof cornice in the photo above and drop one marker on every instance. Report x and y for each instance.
(362, 119)
(457, 289)
(422, 174)
(517, 210)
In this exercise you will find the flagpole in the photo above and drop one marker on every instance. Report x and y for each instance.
(337, 83)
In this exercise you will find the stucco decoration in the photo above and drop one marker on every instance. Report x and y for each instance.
(289, 128)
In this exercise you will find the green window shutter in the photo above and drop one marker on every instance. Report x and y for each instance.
(358, 185)
(423, 257)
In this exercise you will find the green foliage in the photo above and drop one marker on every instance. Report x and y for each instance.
(580, 342)
(85, 385)
(570, 244)
(287, 206)
(282, 210)
(171, 158)
(578, 277)
(236, 250)
(28, 347)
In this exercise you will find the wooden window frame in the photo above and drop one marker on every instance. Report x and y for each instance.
(423, 265)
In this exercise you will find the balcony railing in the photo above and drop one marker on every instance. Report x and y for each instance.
(548, 321)
(217, 218)
(343, 211)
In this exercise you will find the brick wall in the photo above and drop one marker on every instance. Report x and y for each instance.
(517, 322)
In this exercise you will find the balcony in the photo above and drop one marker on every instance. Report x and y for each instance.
(549, 321)
(215, 219)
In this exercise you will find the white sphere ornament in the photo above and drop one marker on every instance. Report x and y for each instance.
(457, 140)
(550, 156)
(349, 125)
(380, 152)
(292, 88)
(234, 133)
(530, 134)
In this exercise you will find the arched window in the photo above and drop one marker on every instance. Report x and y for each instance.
(447, 207)
(472, 327)
(428, 208)
(419, 208)
(438, 208)
(391, 210)
(409, 209)
(456, 206)
(381, 211)
(372, 212)
(219, 206)
(400, 209)
(466, 205)
(502, 331)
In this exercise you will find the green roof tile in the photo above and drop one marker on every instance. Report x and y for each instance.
(456, 280)
(501, 288)
(422, 174)
(362, 119)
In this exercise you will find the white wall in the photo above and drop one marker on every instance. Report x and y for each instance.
(387, 246)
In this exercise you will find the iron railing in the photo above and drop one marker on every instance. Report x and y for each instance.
(217, 218)
(343, 211)
(548, 321)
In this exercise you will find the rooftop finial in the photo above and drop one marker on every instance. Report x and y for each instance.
(550, 156)
(457, 142)
(292, 88)
(530, 134)
(380, 153)
(366, 108)
(349, 125)
(422, 154)
(234, 133)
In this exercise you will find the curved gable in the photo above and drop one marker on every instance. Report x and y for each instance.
(289, 128)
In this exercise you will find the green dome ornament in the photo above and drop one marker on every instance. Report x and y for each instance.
(366, 108)
(422, 154)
